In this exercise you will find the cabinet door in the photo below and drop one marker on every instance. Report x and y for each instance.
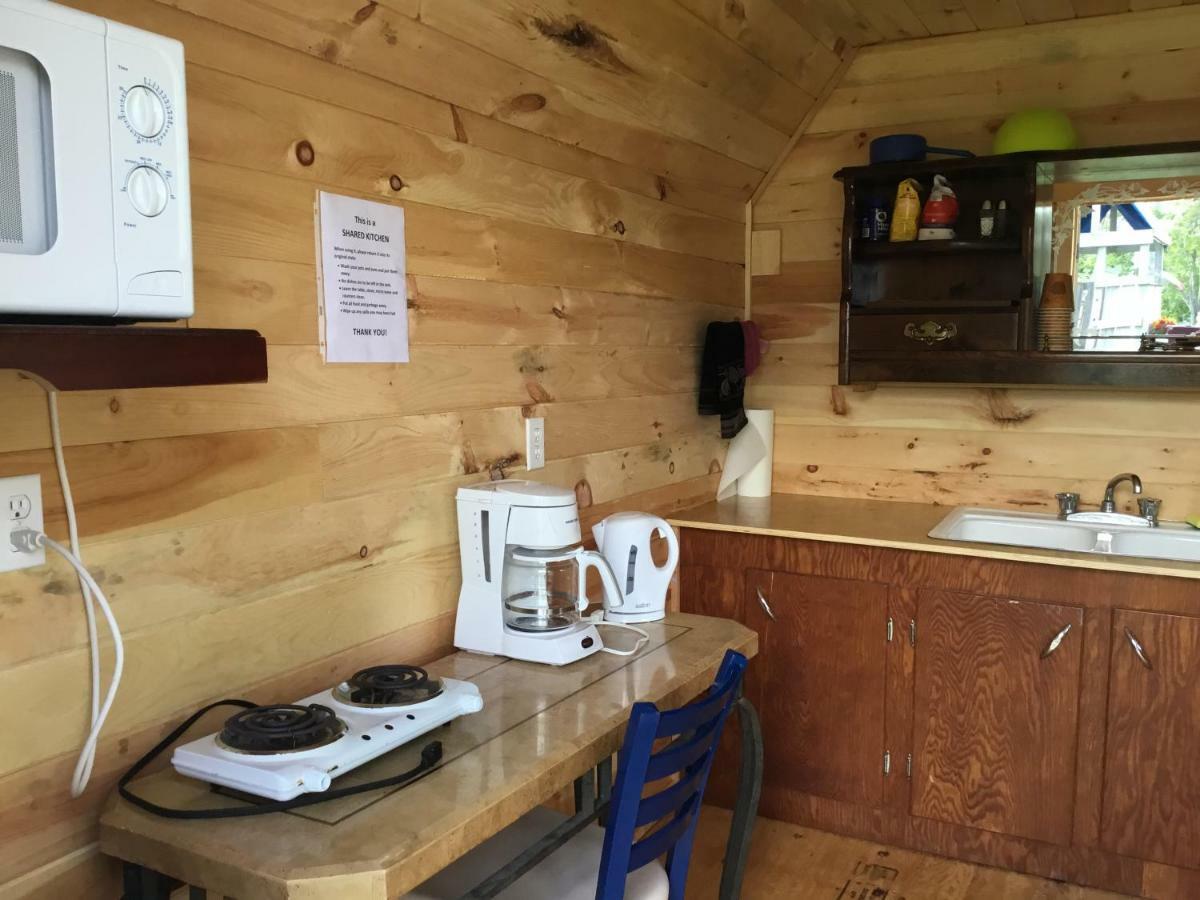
(1151, 779)
(823, 682)
(711, 591)
(996, 714)
(714, 591)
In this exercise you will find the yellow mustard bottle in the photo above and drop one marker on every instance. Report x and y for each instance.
(906, 214)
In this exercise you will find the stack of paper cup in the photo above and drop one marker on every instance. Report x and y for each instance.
(1056, 314)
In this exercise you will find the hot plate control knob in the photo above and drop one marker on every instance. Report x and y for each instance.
(148, 191)
(144, 111)
(315, 780)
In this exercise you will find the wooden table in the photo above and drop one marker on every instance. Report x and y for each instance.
(540, 728)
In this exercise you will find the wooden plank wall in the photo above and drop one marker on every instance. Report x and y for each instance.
(1123, 79)
(575, 192)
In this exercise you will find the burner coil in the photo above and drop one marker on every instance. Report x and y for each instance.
(282, 729)
(389, 686)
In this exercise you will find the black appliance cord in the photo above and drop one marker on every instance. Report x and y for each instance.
(431, 757)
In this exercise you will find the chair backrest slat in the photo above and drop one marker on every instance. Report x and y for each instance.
(679, 755)
(670, 799)
(662, 839)
(691, 717)
(678, 806)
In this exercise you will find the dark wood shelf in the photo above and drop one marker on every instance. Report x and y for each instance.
(872, 249)
(113, 357)
(1127, 370)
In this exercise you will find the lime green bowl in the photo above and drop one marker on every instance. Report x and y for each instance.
(1035, 129)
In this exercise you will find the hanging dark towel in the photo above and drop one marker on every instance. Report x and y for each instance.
(753, 345)
(723, 376)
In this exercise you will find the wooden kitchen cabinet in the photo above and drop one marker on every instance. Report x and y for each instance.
(996, 714)
(1082, 764)
(822, 667)
(1151, 763)
(717, 591)
(821, 643)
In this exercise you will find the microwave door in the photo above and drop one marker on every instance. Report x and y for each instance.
(27, 214)
(57, 254)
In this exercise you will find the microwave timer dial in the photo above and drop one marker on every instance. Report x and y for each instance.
(146, 112)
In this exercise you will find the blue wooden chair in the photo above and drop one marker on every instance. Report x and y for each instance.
(610, 863)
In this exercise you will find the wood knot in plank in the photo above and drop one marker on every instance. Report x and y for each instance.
(618, 226)
(396, 183)
(305, 154)
(1002, 410)
(735, 11)
(361, 15)
(497, 466)
(837, 401)
(537, 393)
(460, 130)
(558, 312)
(584, 41)
(583, 494)
(527, 103)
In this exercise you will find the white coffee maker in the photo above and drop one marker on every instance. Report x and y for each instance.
(524, 574)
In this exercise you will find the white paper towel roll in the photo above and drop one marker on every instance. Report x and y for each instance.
(747, 469)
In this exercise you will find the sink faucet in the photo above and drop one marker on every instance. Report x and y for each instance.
(1109, 505)
(1148, 508)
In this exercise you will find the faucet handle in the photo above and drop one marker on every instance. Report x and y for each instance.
(1068, 503)
(1149, 507)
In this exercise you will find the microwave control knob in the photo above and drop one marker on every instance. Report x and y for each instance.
(144, 111)
(147, 190)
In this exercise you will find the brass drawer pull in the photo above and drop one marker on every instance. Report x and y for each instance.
(1138, 649)
(930, 332)
(1056, 641)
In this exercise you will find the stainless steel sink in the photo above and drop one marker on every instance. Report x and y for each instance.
(1021, 529)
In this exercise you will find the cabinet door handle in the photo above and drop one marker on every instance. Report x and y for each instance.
(762, 601)
(930, 332)
(1055, 641)
(1138, 649)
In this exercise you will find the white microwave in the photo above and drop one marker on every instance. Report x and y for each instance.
(95, 214)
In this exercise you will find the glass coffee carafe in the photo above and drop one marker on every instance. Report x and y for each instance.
(546, 590)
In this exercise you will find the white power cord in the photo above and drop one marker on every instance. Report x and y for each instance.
(88, 587)
(597, 618)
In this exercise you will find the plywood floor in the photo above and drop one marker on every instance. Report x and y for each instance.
(787, 861)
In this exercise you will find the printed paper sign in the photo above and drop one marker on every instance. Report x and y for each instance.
(364, 295)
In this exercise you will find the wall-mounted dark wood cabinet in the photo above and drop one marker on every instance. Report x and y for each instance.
(965, 310)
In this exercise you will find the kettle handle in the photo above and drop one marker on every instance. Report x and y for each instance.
(667, 533)
(612, 593)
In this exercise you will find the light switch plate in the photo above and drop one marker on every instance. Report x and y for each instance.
(535, 443)
(21, 506)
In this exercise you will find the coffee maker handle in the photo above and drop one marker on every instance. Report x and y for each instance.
(612, 593)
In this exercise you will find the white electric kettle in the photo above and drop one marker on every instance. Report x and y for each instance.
(624, 540)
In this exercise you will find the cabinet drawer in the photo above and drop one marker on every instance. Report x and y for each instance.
(934, 330)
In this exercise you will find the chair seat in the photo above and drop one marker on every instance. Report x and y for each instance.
(569, 873)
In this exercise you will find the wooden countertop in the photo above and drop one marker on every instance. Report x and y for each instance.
(540, 728)
(880, 523)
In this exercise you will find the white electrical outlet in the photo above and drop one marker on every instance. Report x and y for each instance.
(21, 503)
(535, 443)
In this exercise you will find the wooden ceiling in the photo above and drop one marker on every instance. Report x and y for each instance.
(861, 22)
(733, 79)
